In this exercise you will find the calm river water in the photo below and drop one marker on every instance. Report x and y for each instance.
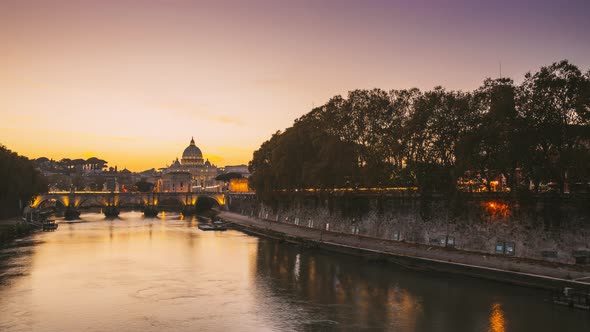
(163, 274)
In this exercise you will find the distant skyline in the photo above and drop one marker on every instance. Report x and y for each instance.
(132, 81)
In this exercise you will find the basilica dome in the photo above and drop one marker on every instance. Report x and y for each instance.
(192, 155)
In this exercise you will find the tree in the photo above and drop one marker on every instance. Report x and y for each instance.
(260, 167)
(144, 186)
(495, 146)
(555, 104)
(226, 177)
(19, 182)
(438, 121)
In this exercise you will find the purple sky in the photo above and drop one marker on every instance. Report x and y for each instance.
(132, 81)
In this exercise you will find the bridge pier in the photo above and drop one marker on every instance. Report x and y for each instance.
(150, 211)
(188, 210)
(111, 211)
(71, 213)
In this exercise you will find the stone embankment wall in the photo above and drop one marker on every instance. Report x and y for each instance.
(550, 227)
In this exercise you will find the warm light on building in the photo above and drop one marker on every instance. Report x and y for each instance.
(239, 186)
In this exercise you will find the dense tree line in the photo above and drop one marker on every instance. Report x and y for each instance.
(528, 136)
(19, 181)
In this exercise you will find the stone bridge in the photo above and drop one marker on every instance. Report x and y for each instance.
(151, 203)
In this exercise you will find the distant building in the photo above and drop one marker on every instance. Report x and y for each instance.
(176, 182)
(240, 169)
(202, 172)
(192, 173)
(111, 182)
(239, 186)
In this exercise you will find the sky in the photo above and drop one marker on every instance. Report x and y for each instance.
(132, 81)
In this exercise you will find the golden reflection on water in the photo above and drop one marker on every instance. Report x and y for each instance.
(403, 307)
(163, 274)
(364, 298)
(497, 321)
(134, 275)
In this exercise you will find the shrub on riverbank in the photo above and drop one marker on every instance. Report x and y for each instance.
(9, 232)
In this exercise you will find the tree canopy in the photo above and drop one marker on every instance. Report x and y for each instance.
(537, 132)
(228, 176)
(19, 181)
(144, 186)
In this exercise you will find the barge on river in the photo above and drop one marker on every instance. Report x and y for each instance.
(212, 227)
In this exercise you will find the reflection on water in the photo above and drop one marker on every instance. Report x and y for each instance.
(497, 323)
(163, 274)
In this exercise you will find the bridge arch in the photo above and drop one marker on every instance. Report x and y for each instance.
(170, 201)
(42, 199)
(91, 201)
(99, 199)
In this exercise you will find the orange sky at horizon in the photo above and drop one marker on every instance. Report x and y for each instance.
(132, 81)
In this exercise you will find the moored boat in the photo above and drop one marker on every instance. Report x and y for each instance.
(209, 227)
(49, 225)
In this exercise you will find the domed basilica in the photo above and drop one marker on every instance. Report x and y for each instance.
(192, 173)
(192, 155)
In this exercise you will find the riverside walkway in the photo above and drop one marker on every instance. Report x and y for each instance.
(507, 269)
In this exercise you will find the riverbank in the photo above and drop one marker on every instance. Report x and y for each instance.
(515, 270)
(12, 229)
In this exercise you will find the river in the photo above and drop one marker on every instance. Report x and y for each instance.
(163, 274)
